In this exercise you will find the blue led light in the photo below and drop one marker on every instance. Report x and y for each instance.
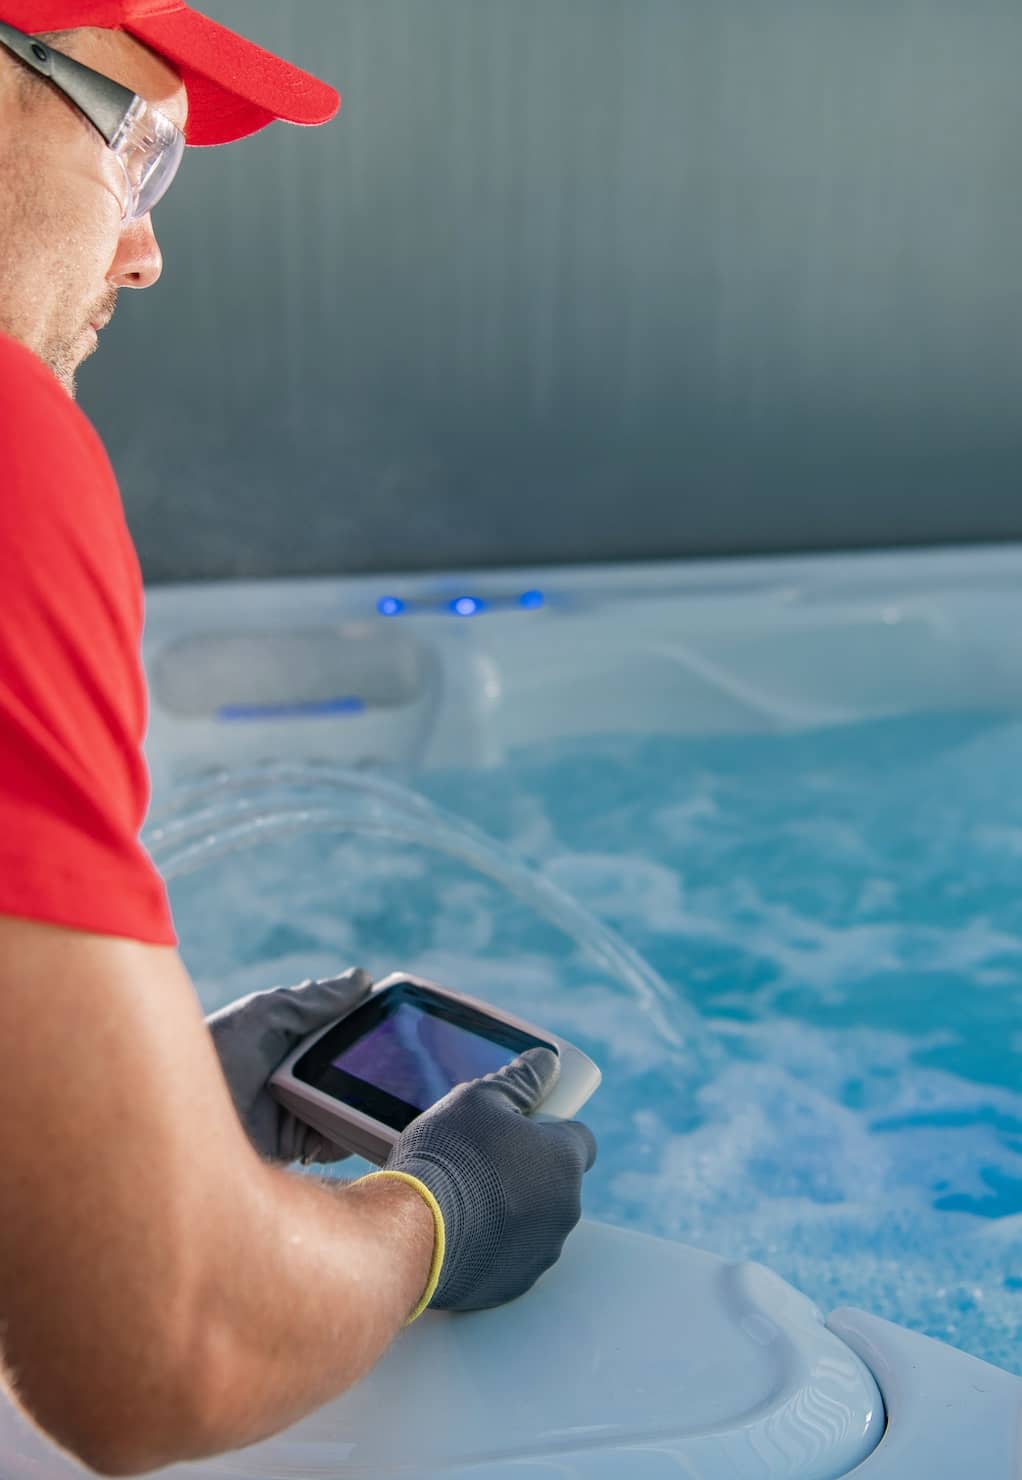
(390, 606)
(303, 709)
(467, 606)
(531, 599)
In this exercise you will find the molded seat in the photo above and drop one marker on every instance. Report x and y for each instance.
(633, 1356)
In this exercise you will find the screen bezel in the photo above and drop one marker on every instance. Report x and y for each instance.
(317, 1069)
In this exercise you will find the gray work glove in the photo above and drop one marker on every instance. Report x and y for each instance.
(509, 1188)
(255, 1034)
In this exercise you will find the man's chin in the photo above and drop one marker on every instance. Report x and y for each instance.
(65, 363)
(67, 377)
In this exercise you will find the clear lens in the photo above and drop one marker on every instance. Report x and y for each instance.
(149, 150)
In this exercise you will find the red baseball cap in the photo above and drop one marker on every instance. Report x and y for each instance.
(234, 87)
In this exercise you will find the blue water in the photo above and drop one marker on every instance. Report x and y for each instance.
(843, 911)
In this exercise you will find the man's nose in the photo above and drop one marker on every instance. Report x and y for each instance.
(138, 260)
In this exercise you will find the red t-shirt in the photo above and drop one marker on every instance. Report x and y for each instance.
(73, 781)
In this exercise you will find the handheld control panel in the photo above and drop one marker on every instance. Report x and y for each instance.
(361, 1080)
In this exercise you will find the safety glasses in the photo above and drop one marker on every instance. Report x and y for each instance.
(146, 145)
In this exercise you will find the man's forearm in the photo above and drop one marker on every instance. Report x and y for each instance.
(305, 1286)
(322, 1279)
(164, 1292)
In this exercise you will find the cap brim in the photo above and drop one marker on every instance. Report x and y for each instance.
(234, 87)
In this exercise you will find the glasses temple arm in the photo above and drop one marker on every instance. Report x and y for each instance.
(103, 101)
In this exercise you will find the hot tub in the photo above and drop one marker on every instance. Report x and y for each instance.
(751, 833)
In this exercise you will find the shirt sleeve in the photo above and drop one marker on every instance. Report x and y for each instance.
(74, 786)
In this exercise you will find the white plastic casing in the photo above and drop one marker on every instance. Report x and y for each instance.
(373, 1139)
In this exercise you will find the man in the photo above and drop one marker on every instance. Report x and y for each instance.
(168, 1289)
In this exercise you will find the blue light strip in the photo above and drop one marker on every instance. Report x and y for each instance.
(460, 606)
(312, 709)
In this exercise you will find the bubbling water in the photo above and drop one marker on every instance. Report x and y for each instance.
(838, 915)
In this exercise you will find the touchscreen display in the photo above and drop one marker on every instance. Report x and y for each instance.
(418, 1057)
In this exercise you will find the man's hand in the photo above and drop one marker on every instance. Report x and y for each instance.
(508, 1188)
(255, 1034)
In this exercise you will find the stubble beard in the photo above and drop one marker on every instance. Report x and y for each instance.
(40, 292)
(64, 353)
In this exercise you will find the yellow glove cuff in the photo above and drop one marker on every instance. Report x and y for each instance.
(439, 1238)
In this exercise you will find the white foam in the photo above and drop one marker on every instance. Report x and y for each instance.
(851, 933)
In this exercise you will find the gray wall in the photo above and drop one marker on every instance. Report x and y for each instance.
(587, 279)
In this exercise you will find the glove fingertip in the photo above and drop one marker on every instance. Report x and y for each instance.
(577, 1136)
(528, 1079)
(322, 996)
(322, 1152)
(356, 979)
(546, 1063)
(588, 1140)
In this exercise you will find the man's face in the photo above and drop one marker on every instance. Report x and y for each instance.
(64, 251)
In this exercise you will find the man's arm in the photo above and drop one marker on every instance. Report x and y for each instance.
(164, 1294)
